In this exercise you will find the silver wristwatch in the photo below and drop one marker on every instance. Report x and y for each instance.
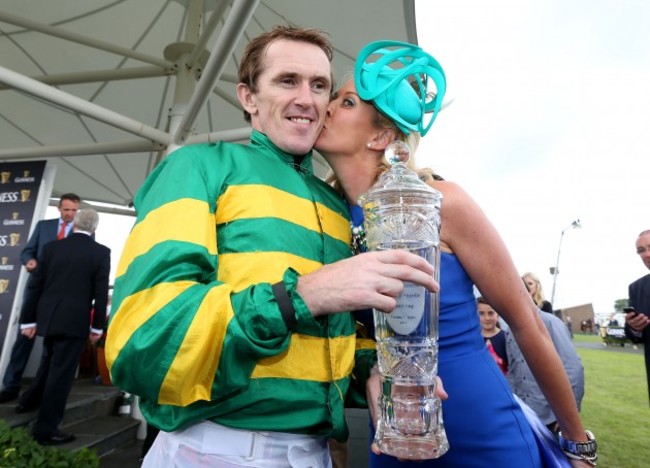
(585, 451)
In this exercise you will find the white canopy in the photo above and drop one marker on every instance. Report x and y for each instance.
(104, 89)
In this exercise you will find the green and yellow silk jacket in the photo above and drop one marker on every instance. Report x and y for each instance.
(195, 328)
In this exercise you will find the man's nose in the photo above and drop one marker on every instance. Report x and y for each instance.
(304, 94)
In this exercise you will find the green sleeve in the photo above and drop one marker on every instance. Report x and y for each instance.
(174, 323)
(365, 358)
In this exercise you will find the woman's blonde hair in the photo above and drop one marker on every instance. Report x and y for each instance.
(538, 295)
(412, 139)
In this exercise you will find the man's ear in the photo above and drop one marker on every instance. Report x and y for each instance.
(246, 98)
(382, 139)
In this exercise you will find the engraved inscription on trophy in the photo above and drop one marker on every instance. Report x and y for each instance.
(405, 318)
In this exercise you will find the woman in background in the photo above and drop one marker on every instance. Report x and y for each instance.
(485, 425)
(536, 292)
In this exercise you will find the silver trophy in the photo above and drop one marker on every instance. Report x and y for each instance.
(402, 212)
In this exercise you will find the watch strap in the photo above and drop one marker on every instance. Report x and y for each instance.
(577, 450)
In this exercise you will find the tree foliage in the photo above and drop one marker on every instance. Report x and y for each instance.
(619, 304)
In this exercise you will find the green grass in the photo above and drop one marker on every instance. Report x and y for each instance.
(615, 406)
(580, 338)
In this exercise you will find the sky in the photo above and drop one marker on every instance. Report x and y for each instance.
(549, 123)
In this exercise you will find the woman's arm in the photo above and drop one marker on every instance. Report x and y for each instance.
(468, 233)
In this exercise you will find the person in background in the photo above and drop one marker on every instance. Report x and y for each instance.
(485, 426)
(72, 277)
(231, 303)
(569, 325)
(46, 231)
(536, 292)
(521, 378)
(494, 337)
(638, 319)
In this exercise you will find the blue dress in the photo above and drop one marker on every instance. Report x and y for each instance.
(485, 426)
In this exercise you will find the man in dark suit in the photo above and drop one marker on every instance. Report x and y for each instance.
(636, 323)
(46, 231)
(72, 278)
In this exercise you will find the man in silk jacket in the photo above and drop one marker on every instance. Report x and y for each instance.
(232, 296)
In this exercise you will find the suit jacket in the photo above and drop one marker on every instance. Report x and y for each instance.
(73, 275)
(44, 233)
(639, 295)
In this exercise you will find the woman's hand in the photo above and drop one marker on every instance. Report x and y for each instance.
(373, 391)
(579, 464)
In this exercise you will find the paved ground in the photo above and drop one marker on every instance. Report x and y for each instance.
(126, 457)
(627, 348)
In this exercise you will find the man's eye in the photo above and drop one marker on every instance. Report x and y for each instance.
(320, 86)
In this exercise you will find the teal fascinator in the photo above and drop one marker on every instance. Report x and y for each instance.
(396, 83)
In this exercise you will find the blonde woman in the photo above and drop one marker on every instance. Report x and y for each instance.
(485, 425)
(535, 290)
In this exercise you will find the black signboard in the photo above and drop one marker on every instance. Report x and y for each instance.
(19, 186)
(615, 336)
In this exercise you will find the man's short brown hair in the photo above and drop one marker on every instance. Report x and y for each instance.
(73, 197)
(252, 63)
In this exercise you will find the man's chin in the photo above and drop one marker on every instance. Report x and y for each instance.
(300, 145)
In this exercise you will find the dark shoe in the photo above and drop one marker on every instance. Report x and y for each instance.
(20, 409)
(7, 396)
(57, 439)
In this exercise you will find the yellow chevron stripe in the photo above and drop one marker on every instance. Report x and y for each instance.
(364, 343)
(185, 220)
(191, 375)
(310, 358)
(261, 201)
(135, 310)
(240, 270)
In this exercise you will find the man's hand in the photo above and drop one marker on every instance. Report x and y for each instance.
(31, 265)
(28, 332)
(369, 280)
(94, 337)
(637, 321)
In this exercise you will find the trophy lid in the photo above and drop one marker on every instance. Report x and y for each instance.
(398, 178)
